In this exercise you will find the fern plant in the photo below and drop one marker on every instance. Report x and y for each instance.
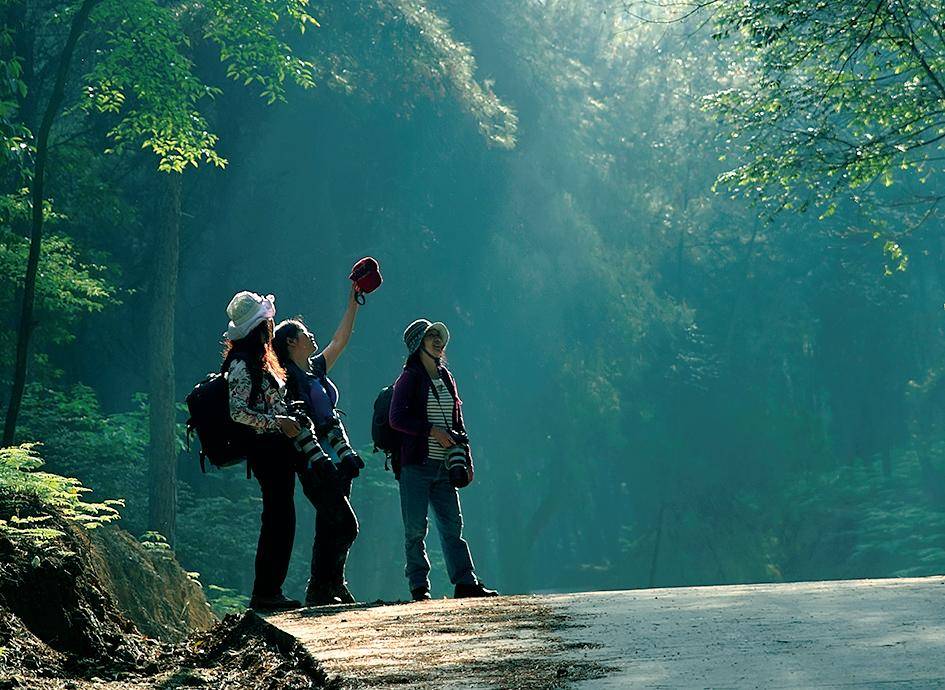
(29, 498)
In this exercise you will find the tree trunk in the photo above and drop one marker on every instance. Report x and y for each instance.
(651, 582)
(26, 325)
(162, 448)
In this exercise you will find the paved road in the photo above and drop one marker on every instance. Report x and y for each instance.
(851, 634)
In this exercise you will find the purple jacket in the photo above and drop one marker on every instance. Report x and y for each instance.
(408, 410)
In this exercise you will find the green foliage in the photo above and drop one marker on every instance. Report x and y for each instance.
(834, 101)
(855, 521)
(149, 84)
(107, 452)
(144, 79)
(30, 498)
(216, 532)
(248, 35)
(224, 601)
(156, 545)
(401, 51)
(14, 135)
(443, 62)
(68, 286)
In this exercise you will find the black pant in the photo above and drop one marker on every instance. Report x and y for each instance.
(336, 527)
(274, 461)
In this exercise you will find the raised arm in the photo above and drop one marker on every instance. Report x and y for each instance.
(343, 333)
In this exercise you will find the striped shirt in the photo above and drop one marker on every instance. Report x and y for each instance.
(439, 413)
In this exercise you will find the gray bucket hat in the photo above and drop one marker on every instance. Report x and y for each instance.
(416, 331)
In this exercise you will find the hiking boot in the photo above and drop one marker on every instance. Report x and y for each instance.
(420, 594)
(320, 595)
(464, 591)
(279, 602)
(343, 594)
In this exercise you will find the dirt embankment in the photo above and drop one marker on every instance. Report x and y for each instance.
(240, 653)
(59, 617)
(96, 610)
(149, 586)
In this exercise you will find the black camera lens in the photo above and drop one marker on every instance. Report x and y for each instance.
(457, 465)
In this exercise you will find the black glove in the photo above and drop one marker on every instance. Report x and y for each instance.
(351, 466)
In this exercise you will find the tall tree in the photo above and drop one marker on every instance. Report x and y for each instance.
(162, 407)
(53, 107)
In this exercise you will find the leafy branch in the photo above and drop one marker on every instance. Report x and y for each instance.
(31, 499)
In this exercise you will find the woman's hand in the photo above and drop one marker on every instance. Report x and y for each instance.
(288, 426)
(443, 437)
(352, 298)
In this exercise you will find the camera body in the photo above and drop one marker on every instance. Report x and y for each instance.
(458, 460)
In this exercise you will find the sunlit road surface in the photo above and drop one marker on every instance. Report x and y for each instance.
(849, 634)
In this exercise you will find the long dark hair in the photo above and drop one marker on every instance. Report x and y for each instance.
(255, 348)
(290, 328)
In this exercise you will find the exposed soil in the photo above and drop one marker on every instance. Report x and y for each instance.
(149, 586)
(241, 653)
(58, 617)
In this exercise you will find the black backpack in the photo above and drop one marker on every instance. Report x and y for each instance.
(222, 441)
(385, 438)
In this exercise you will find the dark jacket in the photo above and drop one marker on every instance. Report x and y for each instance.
(408, 410)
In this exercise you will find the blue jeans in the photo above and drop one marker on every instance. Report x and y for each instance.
(429, 485)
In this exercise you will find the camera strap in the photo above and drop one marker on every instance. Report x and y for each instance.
(436, 394)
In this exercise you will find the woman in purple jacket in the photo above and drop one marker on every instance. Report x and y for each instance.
(427, 411)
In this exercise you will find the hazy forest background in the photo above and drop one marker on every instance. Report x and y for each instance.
(690, 257)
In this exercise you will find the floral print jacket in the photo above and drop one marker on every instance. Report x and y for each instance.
(262, 416)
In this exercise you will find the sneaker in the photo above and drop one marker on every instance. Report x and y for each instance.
(463, 591)
(321, 596)
(343, 593)
(421, 594)
(279, 602)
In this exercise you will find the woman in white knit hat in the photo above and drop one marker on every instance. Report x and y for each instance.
(256, 383)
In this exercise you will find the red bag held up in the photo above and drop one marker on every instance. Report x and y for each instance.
(366, 276)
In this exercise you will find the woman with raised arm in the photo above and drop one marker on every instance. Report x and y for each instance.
(256, 382)
(327, 485)
(435, 460)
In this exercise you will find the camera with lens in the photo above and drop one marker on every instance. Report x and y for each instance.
(457, 460)
(350, 463)
(305, 441)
